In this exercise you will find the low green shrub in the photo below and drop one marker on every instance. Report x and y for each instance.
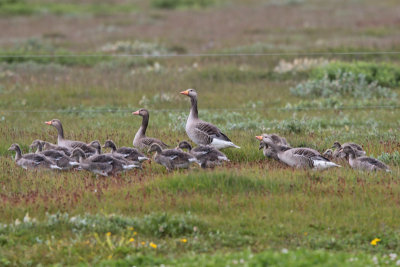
(384, 74)
(174, 4)
(344, 84)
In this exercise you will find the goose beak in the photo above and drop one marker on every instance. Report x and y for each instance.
(259, 137)
(136, 112)
(48, 122)
(185, 92)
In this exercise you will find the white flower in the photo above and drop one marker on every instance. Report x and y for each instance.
(17, 222)
(398, 262)
(375, 260)
(285, 251)
(393, 256)
(27, 218)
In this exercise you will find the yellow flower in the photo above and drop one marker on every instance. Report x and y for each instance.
(143, 243)
(375, 241)
(110, 257)
(108, 234)
(305, 233)
(134, 233)
(131, 240)
(183, 240)
(130, 228)
(153, 245)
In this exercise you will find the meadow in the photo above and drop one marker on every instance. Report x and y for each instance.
(251, 211)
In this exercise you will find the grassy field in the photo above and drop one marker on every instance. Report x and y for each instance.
(250, 212)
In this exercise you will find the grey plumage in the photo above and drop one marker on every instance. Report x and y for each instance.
(172, 158)
(207, 156)
(363, 163)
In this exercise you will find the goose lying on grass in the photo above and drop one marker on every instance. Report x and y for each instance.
(63, 161)
(338, 152)
(363, 163)
(101, 164)
(300, 157)
(126, 152)
(201, 132)
(207, 156)
(172, 158)
(268, 151)
(141, 141)
(32, 160)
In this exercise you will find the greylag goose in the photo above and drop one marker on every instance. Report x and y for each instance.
(98, 156)
(201, 132)
(207, 156)
(359, 151)
(101, 164)
(63, 161)
(141, 141)
(127, 152)
(363, 163)
(300, 157)
(328, 154)
(267, 151)
(49, 146)
(172, 158)
(69, 143)
(31, 160)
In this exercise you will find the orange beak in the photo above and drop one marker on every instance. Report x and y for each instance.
(185, 92)
(259, 137)
(136, 112)
(48, 122)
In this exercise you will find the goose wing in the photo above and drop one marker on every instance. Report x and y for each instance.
(372, 161)
(210, 131)
(307, 152)
(148, 141)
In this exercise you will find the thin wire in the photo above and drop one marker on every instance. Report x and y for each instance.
(209, 109)
(205, 54)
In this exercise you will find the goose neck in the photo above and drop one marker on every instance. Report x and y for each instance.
(193, 110)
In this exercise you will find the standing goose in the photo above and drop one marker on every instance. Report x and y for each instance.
(363, 163)
(31, 160)
(268, 151)
(201, 132)
(63, 161)
(338, 153)
(171, 158)
(69, 143)
(300, 157)
(207, 156)
(141, 141)
(127, 152)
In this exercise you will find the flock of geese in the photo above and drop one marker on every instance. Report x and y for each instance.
(69, 154)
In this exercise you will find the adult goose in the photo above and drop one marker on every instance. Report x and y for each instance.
(207, 156)
(31, 160)
(338, 153)
(268, 151)
(127, 152)
(363, 163)
(101, 164)
(63, 161)
(172, 158)
(301, 157)
(69, 143)
(141, 141)
(201, 132)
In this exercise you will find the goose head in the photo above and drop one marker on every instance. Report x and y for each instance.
(96, 145)
(189, 92)
(109, 144)
(54, 122)
(336, 145)
(185, 145)
(349, 151)
(37, 144)
(155, 147)
(141, 112)
(78, 153)
(13, 147)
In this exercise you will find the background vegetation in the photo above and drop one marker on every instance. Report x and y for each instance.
(252, 211)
